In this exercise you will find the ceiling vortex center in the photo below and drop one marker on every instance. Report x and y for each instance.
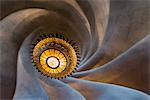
(54, 56)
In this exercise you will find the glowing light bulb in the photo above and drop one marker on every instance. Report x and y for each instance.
(53, 62)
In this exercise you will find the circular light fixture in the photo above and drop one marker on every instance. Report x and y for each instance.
(52, 62)
(55, 57)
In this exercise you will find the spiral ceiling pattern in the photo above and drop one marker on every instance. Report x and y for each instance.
(74, 49)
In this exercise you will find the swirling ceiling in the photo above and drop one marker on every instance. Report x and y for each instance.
(113, 37)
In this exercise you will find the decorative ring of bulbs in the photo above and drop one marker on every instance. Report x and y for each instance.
(55, 56)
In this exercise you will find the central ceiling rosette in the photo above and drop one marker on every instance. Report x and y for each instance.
(55, 56)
